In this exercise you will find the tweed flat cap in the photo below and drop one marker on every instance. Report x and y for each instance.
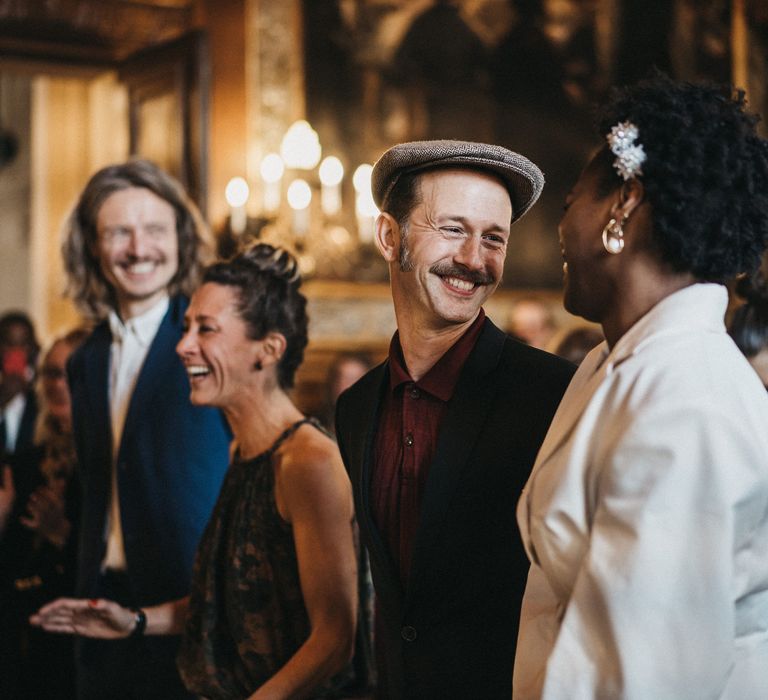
(523, 179)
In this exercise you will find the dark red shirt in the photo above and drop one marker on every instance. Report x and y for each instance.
(406, 441)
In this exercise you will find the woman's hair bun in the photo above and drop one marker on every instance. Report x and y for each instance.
(277, 261)
(267, 281)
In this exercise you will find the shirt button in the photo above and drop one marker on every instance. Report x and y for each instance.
(409, 440)
(415, 393)
(408, 633)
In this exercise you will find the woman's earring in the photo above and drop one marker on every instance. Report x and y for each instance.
(613, 236)
(258, 366)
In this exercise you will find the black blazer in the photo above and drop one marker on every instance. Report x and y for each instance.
(452, 633)
(26, 436)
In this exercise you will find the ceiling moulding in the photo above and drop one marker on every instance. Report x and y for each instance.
(89, 31)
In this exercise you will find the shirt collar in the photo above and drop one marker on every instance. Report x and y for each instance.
(442, 378)
(143, 327)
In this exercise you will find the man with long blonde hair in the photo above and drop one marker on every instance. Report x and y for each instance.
(151, 463)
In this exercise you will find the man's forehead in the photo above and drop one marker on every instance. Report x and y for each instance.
(442, 183)
(436, 176)
(133, 201)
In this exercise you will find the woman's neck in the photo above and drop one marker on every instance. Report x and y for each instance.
(424, 345)
(260, 419)
(639, 291)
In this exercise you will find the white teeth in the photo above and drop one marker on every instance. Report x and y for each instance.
(141, 268)
(463, 285)
(197, 370)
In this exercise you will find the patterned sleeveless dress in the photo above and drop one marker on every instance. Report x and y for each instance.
(246, 613)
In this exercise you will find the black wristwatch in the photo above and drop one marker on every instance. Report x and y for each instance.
(141, 623)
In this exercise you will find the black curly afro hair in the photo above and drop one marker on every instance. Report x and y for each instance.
(705, 175)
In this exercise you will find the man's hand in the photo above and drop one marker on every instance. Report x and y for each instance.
(102, 619)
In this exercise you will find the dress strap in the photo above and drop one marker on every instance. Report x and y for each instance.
(291, 429)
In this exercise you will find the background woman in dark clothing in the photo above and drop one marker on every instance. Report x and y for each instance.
(39, 503)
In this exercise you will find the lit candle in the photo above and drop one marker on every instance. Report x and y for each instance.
(331, 174)
(299, 196)
(300, 147)
(236, 194)
(271, 169)
(366, 210)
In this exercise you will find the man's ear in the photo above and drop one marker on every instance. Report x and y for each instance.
(631, 196)
(387, 236)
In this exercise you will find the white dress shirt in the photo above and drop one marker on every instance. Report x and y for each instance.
(646, 520)
(130, 344)
(11, 416)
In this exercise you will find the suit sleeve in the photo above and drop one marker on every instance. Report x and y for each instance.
(652, 609)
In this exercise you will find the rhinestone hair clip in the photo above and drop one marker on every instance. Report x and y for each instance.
(630, 156)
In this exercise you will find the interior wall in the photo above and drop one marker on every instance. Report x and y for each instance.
(225, 23)
(78, 125)
(15, 106)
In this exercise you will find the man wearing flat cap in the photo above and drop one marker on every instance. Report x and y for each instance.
(440, 438)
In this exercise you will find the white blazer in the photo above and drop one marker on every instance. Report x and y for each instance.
(646, 520)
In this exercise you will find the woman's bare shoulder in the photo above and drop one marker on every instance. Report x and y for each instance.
(310, 473)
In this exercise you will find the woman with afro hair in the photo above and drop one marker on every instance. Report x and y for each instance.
(646, 515)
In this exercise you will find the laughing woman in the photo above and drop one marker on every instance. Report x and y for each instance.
(273, 603)
(646, 514)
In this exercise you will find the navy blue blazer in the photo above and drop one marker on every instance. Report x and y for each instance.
(452, 633)
(171, 462)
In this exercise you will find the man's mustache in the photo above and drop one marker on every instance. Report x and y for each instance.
(480, 277)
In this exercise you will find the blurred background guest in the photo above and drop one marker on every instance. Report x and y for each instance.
(345, 369)
(531, 321)
(18, 404)
(39, 505)
(645, 517)
(273, 602)
(749, 323)
(575, 343)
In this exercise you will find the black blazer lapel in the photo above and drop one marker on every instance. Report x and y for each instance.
(97, 388)
(364, 412)
(459, 431)
(26, 434)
